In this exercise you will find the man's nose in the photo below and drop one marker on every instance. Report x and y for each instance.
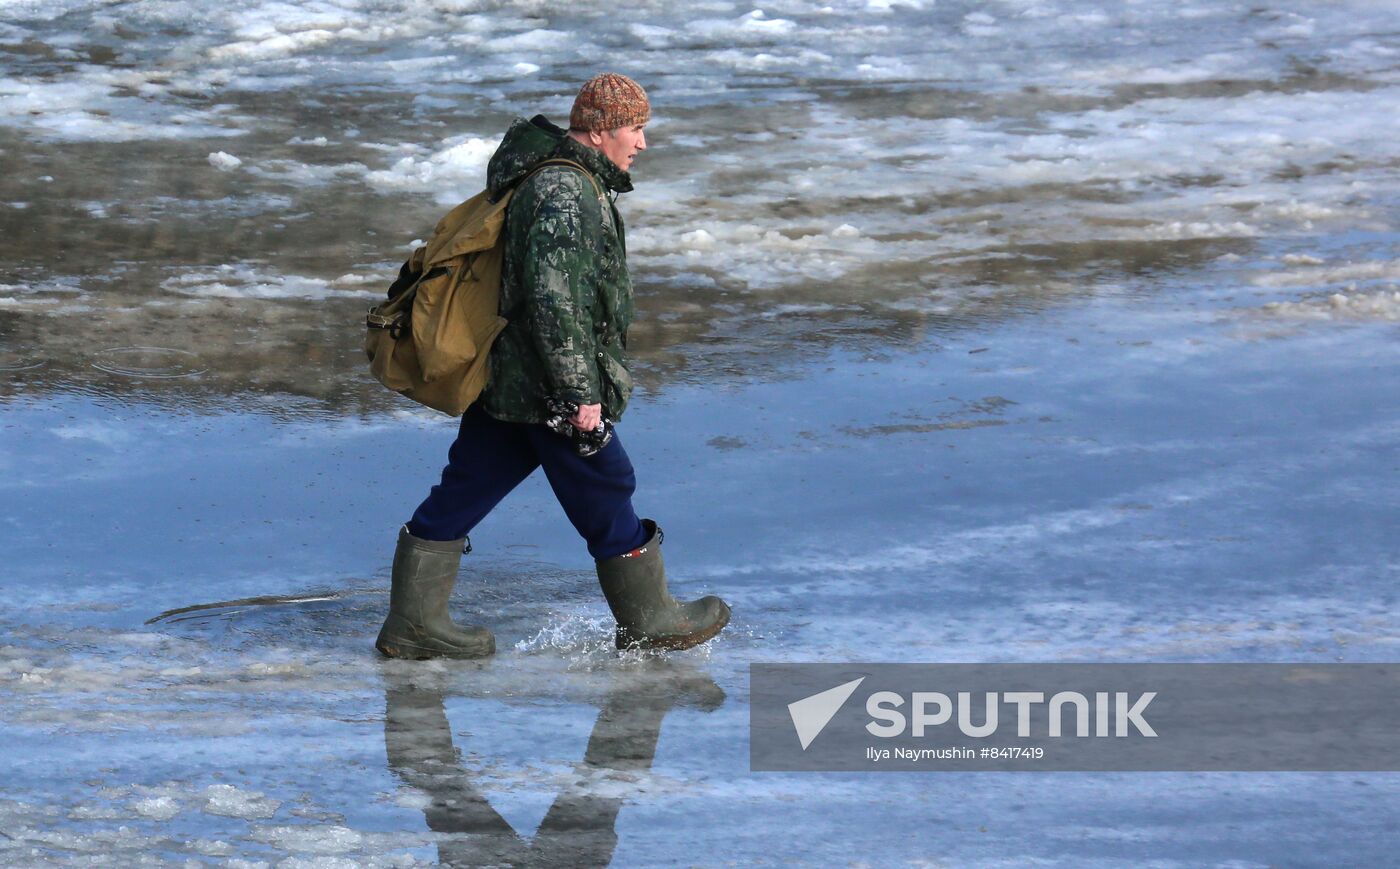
(641, 141)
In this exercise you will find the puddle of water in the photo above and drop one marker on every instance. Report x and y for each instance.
(156, 363)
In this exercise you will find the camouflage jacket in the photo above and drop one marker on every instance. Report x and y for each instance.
(564, 284)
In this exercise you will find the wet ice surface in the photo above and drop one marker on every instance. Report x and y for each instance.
(1218, 493)
(1026, 331)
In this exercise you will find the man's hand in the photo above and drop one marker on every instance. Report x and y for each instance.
(588, 417)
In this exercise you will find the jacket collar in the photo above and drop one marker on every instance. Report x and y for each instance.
(596, 162)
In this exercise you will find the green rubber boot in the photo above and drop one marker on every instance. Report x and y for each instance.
(647, 616)
(418, 625)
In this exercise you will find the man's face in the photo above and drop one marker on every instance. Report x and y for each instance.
(623, 144)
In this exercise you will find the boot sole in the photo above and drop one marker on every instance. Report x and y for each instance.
(673, 643)
(401, 638)
(395, 647)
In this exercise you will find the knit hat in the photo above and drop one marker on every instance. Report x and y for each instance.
(608, 101)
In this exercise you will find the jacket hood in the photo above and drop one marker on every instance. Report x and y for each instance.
(527, 143)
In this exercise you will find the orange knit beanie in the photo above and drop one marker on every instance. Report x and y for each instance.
(608, 101)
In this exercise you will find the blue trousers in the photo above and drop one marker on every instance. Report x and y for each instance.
(490, 458)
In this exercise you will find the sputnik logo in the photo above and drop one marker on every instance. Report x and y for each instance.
(811, 715)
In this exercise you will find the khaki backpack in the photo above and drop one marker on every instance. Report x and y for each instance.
(431, 341)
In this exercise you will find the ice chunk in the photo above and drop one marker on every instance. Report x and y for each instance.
(238, 281)
(754, 27)
(652, 36)
(224, 161)
(453, 172)
(161, 808)
(533, 41)
(1380, 305)
(350, 280)
(980, 24)
(1318, 277)
(699, 239)
(233, 802)
(757, 20)
(1176, 229)
(330, 839)
(279, 45)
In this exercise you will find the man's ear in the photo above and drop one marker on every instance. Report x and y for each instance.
(595, 138)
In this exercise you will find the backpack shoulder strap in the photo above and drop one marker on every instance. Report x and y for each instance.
(561, 161)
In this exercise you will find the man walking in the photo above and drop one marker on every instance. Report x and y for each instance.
(566, 293)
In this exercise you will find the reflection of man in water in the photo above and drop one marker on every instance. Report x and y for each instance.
(579, 830)
(568, 298)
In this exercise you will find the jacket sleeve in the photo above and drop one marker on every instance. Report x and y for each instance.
(558, 274)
